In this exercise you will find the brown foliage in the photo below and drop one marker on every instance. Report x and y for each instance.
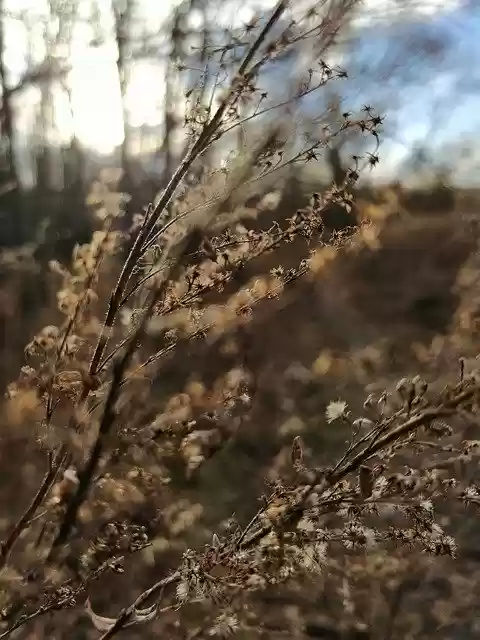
(168, 383)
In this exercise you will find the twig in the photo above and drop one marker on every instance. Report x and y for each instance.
(325, 479)
(47, 483)
(205, 138)
(56, 604)
(126, 613)
(106, 424)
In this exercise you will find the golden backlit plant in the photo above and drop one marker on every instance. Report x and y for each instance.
(114, 439)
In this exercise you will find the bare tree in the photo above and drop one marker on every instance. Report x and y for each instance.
(10, 176)
(123, 14)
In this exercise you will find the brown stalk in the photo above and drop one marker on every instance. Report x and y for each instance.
(203, 141)
(107, 422)
(327, 480)
(425, 417)
(47, 483)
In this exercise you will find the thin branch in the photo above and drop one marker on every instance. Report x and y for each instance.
(25, 520)
(108, 420)
(128, 612)
(205, 138)
(326, 480)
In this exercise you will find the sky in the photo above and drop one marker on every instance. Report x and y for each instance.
(96, 115)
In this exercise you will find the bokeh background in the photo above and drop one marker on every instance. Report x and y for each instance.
(88, 85)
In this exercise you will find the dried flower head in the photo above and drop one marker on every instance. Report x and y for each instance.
(336, 410)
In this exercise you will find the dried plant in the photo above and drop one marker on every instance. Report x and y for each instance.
(116, 438)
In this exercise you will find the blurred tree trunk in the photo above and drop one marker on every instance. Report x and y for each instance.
(177, 37)
(44, 160)
(73, 158)
(202, 39)
(7, 132)
(123, 12)
(334, 161)
(180, 36)
(74, 161)
(9, 180)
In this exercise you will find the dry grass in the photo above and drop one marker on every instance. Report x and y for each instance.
(117, 404)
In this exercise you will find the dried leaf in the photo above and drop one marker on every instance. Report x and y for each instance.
(101, 623)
